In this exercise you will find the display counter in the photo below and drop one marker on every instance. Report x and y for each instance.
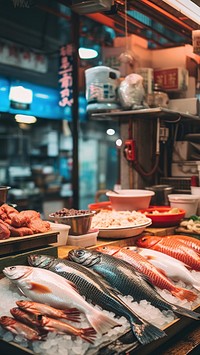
(183, 337)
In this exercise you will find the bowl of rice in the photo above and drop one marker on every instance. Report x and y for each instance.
(120, 224)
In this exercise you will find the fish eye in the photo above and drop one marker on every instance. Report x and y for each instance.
(12, 268)
(79, 252)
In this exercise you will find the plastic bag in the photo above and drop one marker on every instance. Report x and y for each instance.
(131, 92)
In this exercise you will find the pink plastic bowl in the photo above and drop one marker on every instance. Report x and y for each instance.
(130, 200)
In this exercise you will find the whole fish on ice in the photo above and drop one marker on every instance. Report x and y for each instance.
(122, 275)
(37, 308)
(191, 242)
(169, 266)
(19, 328)
(44, 286)
(59, 327)
(149, 270)
(172, 247)
(93, 288)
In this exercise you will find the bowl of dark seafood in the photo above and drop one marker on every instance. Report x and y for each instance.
(79, 220)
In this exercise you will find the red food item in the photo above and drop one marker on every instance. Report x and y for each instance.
(8, 209)
(39, 226)
(4, 231)
(172, 247)
(20, 220)
(18, 224)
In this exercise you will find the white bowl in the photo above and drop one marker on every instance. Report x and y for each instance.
(123, 232)
(187, 202)
(132, 199)
(63, 230)
(195, 190)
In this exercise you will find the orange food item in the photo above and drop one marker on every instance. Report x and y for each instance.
(172, 247)
(17, 224)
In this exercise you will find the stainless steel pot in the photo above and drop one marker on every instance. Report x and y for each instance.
(3, 194)
(161, 194)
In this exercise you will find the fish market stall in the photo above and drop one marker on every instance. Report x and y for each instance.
(166, 326)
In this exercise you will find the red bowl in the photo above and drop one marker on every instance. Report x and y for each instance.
(96, 206)
(163, 219)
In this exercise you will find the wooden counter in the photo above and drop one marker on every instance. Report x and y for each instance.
(63, 250)
(186, 340)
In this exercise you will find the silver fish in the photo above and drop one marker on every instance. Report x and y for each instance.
(44, 286)
(93, 288)
(123, 276)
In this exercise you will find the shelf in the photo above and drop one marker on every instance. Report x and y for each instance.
(149, 113)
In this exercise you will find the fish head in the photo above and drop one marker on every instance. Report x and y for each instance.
(84, 256)
(147, 241)
(6, 321)
(110, 250)
(17, 272)
(22, 304)
(38, 260)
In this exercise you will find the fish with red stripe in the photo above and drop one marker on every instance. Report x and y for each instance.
(173, 247)
(149, 270)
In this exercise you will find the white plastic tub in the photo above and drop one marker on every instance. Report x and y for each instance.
(187, 202)
(63, 230)
(195, 190)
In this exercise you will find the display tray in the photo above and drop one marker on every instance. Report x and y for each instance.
(21, 257)
(123, 345)
(17, 244)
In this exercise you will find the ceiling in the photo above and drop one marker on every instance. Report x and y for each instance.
(45, 25)
(155, 21)
(159, 23)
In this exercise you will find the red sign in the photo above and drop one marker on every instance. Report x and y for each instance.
(167, 78)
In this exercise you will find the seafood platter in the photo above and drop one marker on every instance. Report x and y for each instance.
(98, 301)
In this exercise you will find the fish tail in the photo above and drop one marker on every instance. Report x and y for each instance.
(146, 332)
(185, 312)
(182, 294)
(101, 322)
(71, 314)
(88, 334)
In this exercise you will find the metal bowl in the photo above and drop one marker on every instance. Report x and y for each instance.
(80, 223)
(3, 194)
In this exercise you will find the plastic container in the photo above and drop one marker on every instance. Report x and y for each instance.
(189, 203)
(63, 230)
(195, 190)
(132, 199)
(84, 240)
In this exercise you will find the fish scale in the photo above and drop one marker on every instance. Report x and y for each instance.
(179, 250)
(191, 242)
(142, 265)
(93, 288)
(123, 277)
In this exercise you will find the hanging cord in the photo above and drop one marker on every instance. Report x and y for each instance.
(126, 26)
